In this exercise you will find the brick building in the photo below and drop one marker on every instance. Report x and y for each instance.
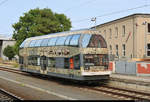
(128, 37)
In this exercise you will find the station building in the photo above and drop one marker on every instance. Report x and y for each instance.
(128, 41)
(4, 42)
(127, 38)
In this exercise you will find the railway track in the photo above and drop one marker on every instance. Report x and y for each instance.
(8, 97)
(11, 70)
(121, 93)
(113, 91)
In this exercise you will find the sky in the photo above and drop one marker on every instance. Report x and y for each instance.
(80, 12)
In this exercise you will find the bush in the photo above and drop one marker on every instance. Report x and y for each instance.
(9, 52)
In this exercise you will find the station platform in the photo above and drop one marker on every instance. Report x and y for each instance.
(134, 78)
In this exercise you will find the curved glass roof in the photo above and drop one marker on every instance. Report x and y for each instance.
(85, 40)
(61, 40)
(88, 40)
(22, 44)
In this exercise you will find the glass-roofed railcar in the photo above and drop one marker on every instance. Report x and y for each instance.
(79, 55)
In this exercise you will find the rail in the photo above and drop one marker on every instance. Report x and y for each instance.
(7, 96)
(123, 93)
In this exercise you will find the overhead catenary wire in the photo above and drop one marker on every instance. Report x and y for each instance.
(112, 13)
(2, 2)
(80, 5)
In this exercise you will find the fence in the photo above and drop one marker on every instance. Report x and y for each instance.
(130, 68)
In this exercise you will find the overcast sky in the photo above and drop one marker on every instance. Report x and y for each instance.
(79, 11)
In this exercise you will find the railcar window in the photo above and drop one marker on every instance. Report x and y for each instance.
(95, 60)
(38, 61)
(29, 60)
(33, 60)
(68, 40)
(32, 43)
(43, 62)
(22, 45)
(98, 44)
(21, 60)
(59, 62)
(75, 40)
(52, 41)
(61, 40)
(77, 62)
(44, 42)
(38, 43)
(86, 40)
(27, 44)
(51, 62)
(66, 61)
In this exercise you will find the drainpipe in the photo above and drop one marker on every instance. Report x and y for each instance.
(133, 36)
(145, 25)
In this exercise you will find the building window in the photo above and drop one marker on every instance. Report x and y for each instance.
(117, 50)
(110, 32)
(105, 33)
(148, 49)
(110, 49)
(116, 31)
(124, 49)
(148, 27)
(123, 30)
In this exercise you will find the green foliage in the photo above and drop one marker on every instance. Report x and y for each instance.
(9, 52)
(38, 22)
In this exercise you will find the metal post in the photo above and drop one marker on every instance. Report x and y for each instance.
(62, 27)
(94, 20)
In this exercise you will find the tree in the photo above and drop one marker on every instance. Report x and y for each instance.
(38, 22)
(9, 52)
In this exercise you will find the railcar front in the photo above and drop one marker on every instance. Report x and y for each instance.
(95, 57)
(79, 55)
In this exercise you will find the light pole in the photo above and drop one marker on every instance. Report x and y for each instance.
(94, 20)
(62, 26)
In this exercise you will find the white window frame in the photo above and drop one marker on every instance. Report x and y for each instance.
(124, 50)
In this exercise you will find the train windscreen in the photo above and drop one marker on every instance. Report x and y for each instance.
(95, 60)
(93, 41)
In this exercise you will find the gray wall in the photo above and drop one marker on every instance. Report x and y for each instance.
(124, 67)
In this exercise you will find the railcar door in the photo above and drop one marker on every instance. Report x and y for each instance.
(43, 63)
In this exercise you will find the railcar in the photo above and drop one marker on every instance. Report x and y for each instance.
(80, 55)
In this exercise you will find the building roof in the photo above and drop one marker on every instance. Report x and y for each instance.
(133, 15)
(2, 37)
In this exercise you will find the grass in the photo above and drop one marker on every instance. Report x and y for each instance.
(13, 64)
